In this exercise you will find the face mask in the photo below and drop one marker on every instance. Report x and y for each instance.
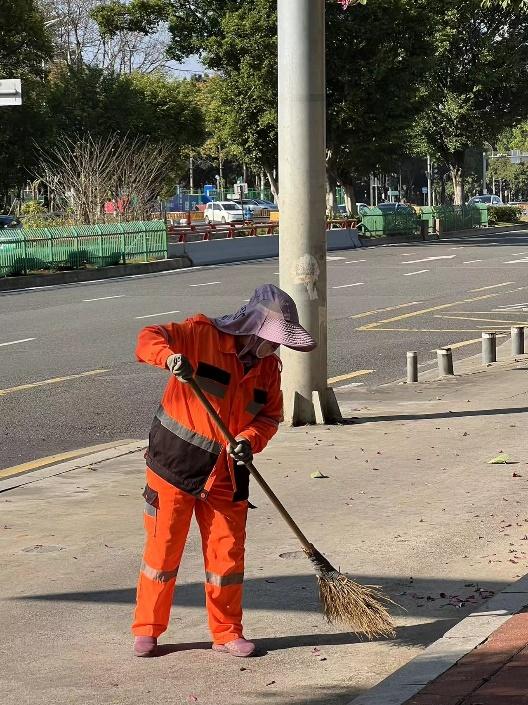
(265, 348)
(256, 349)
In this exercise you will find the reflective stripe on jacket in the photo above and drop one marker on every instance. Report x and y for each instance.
(185, 447)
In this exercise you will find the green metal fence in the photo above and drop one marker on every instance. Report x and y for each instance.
(23, 251)
(455, 218)
(375, 223)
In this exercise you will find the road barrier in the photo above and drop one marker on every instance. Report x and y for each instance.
(444, 358)
(23, 251)
(517, 339)
(220, 249)
(412, 366)
(489, 348)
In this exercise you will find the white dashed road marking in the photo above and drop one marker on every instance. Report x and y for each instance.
(421, 271)
(152, 315)
(493, 286)
(345, 286)
(14, 342)
(429, 259)
(206, 284)
(104, 298)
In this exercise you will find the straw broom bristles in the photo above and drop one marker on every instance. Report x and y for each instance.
(358, 607)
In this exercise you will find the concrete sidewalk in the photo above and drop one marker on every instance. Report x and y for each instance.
(409, 502)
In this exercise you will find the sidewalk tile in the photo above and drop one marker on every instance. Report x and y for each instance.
(521, 698)
(422, 699)
(453, 685)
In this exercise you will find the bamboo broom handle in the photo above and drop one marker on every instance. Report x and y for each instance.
(252, 469)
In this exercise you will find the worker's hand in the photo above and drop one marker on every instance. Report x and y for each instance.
(242, 452)
(180, 367)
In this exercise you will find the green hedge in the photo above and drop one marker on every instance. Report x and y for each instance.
(504, 214)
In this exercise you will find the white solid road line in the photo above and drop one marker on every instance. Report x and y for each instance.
(517, 261)
(429, 259)
(355, 261)
(345, 286)
(421, 271)
(470, 261)
(152, 315)
(14, 342)
(104, 298)
(206, 284)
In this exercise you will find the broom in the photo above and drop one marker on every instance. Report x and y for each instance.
(360, 608)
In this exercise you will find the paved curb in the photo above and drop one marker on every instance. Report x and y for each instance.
(28, 478)
(447, 651)
(84, 275)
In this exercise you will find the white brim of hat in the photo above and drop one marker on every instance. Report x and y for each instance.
(291, 335)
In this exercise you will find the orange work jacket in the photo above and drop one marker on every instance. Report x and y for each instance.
(185, 446)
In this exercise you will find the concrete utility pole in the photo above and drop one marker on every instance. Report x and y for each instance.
(302, 168)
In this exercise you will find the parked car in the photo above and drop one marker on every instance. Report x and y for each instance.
(488, 198)
(395, 208)
(342, 210)
(268, 205)
(223, 212)
(9, 221)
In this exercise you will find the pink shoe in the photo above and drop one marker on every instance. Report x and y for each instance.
(145, 646)
(238, 647)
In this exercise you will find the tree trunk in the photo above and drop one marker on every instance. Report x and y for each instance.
(331, 196)
(273, 184)
(457, 177)
(350, 199)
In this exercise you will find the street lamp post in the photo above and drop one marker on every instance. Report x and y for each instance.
(302, 169)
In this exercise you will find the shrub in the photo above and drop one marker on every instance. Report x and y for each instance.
(504, 214)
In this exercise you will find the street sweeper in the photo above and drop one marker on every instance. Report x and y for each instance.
(191, 468)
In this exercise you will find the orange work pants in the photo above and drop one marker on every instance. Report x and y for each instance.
(222, 524)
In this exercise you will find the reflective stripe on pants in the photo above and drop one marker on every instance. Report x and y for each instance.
(222, 524)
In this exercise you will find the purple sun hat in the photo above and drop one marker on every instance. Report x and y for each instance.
(271, 314)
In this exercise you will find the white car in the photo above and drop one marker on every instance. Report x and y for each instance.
(223, 212)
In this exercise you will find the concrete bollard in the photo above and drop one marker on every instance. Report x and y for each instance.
(489, 348)
(517, 338)
(412, 366)
(445, 362)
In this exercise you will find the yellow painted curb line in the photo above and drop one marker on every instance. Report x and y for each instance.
(58, 458)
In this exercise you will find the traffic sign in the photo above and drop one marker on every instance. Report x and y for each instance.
(10, 92)
(241, 190)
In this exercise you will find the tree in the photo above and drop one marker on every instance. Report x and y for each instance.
(375, 66)
(79, 42)
(86, 172)
(88, 100)
(374, 62)
(24, 48)
(478, 81)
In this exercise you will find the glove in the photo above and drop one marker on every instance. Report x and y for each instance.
(242, 452)
(180, 367)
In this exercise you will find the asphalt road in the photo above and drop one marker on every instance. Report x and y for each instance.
(383, 301)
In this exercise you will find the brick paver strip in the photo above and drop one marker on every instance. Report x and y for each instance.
(495, 673)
